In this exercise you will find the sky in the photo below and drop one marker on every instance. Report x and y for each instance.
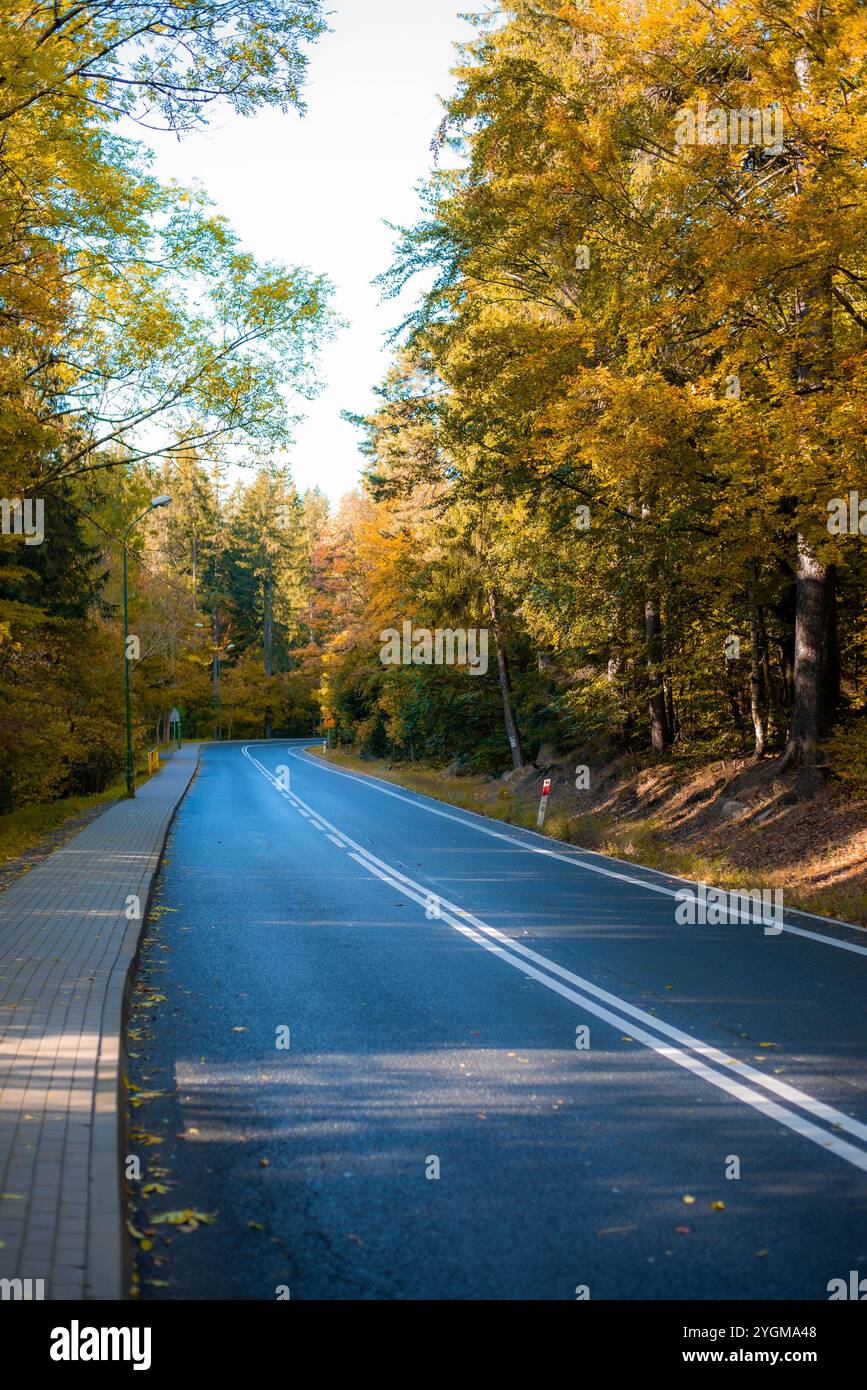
(316, 190)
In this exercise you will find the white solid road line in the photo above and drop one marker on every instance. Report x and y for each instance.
(743, 1093)
(511, 952)
(421, 803)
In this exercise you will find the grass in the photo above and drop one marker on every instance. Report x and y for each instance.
(464, 793)
(20, 830)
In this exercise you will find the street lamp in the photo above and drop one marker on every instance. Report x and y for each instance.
(162, 501)
(219, 653)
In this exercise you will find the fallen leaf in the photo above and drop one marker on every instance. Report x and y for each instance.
(188, 1217)
(141, 1136)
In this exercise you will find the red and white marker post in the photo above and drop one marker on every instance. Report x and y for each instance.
(543, 804)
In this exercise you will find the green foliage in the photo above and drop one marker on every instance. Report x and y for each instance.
(60, 696)
(846, 754)
(667, 334)
(137, 338)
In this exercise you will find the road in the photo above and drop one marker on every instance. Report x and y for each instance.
(432, 1130)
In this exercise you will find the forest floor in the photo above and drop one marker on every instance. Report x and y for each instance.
(732, 824)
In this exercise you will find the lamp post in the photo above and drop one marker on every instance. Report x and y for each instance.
(219, 653)
(162, 501)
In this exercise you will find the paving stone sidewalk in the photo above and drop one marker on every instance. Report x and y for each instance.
(66, 947)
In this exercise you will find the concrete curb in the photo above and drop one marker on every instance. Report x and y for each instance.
(108, 1265)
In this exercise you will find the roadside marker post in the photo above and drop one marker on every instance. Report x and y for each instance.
(543, 804)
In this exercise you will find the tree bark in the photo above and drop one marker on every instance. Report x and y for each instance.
(670, 712)
(267, 645)
(268, 629)
(771, 695)
(816, 676)
(660, 731)
(511, 722)
(758, 697)
(816, 665)
(215, 674)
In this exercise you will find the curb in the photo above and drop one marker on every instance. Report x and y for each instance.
(108, 1263)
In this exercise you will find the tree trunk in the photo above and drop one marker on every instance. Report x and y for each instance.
(670, 712)
(267, 645)
(816, 666)
(758, 697)
(660, 731)
(215, 674)
(816, 677)
(511, 722)
(771, 686)
(732, 691)
(816, 670)
(268, 630)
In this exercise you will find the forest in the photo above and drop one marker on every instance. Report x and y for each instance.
(622, 432)
(625, 423)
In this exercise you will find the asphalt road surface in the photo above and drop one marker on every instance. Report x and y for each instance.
(432, 1130)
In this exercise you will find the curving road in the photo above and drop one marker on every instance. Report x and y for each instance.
(432, 1130)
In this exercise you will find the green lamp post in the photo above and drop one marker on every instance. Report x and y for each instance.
(162, 501)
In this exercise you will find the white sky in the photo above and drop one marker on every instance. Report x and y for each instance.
(315, 190)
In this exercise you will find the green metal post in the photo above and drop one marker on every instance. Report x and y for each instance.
(130, 786)
(160, 501)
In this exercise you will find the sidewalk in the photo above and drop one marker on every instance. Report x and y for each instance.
(65, 951)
